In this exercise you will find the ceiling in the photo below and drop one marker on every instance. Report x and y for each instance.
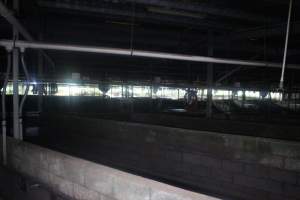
(248, 29)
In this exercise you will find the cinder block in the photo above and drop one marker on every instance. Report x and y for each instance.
(286, 149)
(15, 162)
(126, 189)
(208, 184)
(283, 175)
(42, 175)
(36, 156)
(204, 142)
(27, 169)
(242, 192)
(292, 164)
(232, 166)
(292, 191)
(256, 158)
(257, 171)
(99, 179)
(239, 143)
(248, 144)
(271, 161)
(55, 163)
(61, 186)
(201, 159)
(74, 170)
(103, 197)
(278, 197)
(67, 167)
(161, 195)
(258, 183)
(173, 155)
(16, 148)
(246, 157)
(83, 193)
(199, 171)
(222, 175)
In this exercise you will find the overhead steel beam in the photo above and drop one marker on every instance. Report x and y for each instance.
(160, 39)
(203, 8)
(138, 53)
(123, 12)
(9, 16)
(260, 32)
(228, 74)
(231, 72)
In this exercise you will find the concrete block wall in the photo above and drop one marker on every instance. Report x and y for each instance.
(241, 167)
(280, 130)
(75, 178)
(285, 131)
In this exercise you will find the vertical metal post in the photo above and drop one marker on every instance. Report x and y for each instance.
(4, 122)
(209, 77)
(281, 84)
(40, 85)
(243, 98)
(16, 56)
(16, 93)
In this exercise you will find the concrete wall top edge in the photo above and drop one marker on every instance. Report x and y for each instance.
(188, 130)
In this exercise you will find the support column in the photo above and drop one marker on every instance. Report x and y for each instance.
(16, 57)
(244, 98)
(209, 80)
(40, 77)
(16, 93)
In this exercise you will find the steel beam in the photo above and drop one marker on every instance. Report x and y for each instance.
(139, 53)
(203, 8)
(127, 13)
(8, 15)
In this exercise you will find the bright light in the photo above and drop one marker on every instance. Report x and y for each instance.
(142, 91)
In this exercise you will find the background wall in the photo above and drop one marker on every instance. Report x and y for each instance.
(243, 167)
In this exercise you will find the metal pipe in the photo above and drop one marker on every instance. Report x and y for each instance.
(281, 84)
(24, 96)
(27, 84)
(15, 73)
(8, 15)
(16, 93)
(210, 77)
(8, 69)
(138, 53)
(62, 47)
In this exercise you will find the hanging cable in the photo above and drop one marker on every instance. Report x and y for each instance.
(281, 84)
(25, 94)
(8, 69)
